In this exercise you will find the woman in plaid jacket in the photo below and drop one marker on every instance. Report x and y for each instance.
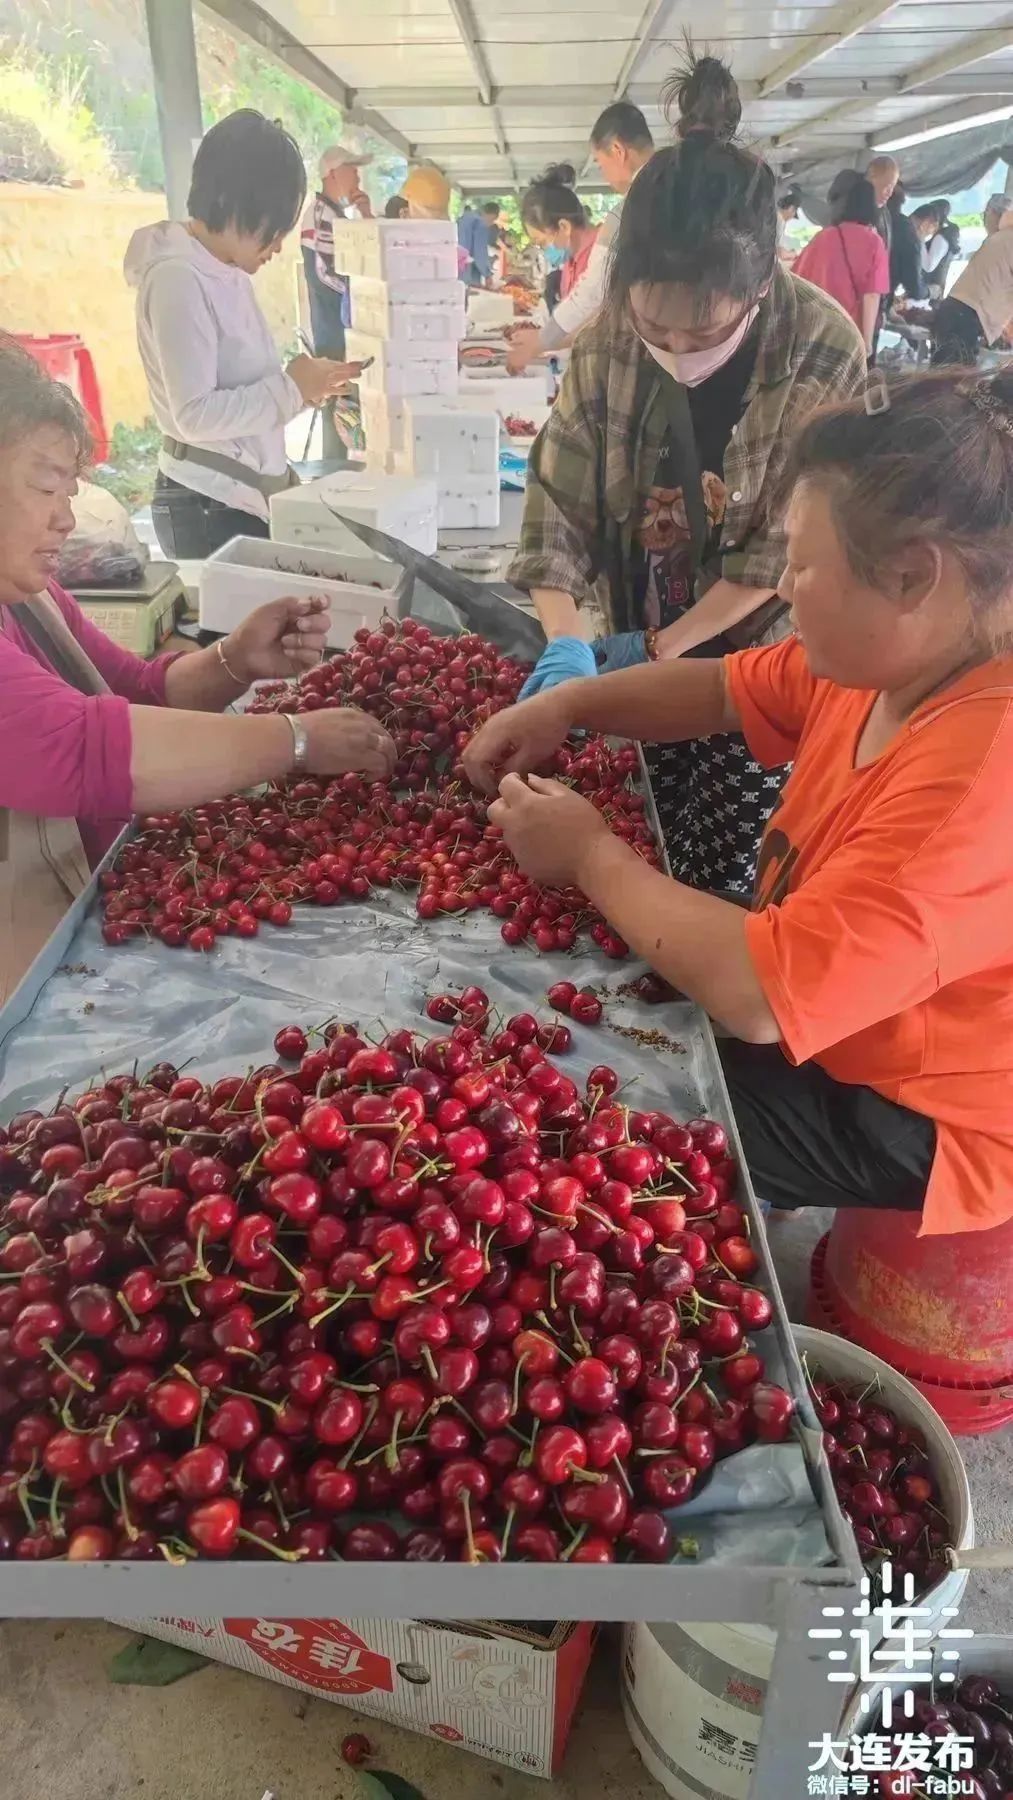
(652, 484)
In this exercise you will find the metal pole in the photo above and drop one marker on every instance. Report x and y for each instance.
(177, 94)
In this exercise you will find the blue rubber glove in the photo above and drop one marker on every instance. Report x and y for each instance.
(623, 651)
(565, 659)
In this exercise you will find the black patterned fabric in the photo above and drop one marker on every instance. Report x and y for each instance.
(713, 802)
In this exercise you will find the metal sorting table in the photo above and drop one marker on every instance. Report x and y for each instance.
(777, 1554)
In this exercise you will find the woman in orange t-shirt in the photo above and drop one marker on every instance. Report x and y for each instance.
(869, 993)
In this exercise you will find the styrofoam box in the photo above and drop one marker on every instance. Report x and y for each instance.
(403, 368)
(247, 572)
(468, 503)
(506, 1692)
(384, 421)
(434, 316)
(486, 311)
(396, 249)
(505, 394)
(446, 438)
(403, 509)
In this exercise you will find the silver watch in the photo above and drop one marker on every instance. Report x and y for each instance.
(300, 745)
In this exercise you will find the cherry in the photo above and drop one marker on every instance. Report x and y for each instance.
(591, 1386)
(586, 1009)
(200, 1473)
(355, 1749)
(372, 1542)
(214, 1526)
(668, 1481)
(649, 1536)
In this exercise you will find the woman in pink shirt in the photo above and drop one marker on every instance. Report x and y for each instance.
(89, 733)
(848, 259)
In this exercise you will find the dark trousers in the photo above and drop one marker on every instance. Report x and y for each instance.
(188, 524)
(813, 1141)
(327, 327)
(957, 334)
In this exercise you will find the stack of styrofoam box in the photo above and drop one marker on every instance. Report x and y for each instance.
(457, 446)
(408, 317)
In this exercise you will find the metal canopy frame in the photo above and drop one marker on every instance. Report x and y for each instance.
(490, 97)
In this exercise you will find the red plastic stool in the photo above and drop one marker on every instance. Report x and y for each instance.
(66, 358)
(937, 1309)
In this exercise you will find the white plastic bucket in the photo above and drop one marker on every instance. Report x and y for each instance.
(693, 1698)
(693, 1694)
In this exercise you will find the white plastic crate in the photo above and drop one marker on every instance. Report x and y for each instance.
(247, 572)
(384, 422)
(401, 368)
(469, 503)
(431, 314)
(396, 249)
(403, 509)
(447, 438)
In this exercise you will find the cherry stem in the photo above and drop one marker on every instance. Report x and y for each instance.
(371, 1412)
(507, 1529)
(55, 1521)
(135, 1323)
(251, 1537)
(578, 1474)
(574, 1544)
(391, 1450)
(283, 1259)
(624, 1478)
(518, 1374)
(128, 1524)
(72, 1374)
(318, 1318)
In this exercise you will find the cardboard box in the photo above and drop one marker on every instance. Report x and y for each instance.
(415, 312)
(504, 1691)
(403, 509)
(396, 249)
(402, 367)
(247, 572)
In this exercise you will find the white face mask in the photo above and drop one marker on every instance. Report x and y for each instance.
(690, 367)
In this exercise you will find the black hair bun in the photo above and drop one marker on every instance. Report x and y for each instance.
(704, 95)
(560, 175)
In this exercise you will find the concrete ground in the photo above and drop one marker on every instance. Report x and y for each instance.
(67, 1733)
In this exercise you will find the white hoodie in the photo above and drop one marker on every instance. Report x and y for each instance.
(214, 374)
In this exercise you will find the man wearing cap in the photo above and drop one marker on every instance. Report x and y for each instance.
(340, 196)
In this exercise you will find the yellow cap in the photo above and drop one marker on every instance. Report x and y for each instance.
(428, 191)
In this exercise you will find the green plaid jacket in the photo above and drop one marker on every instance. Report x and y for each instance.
(595, 459)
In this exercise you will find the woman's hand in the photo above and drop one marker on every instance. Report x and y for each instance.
(285, 637)
(342, 738)
(319, 378)
(547, 827)
(524, 347)
(517, 739)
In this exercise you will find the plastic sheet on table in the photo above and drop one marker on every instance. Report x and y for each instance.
(100, 1009)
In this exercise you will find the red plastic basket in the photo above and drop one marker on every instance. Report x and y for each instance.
(66, 358)
(938, 1310)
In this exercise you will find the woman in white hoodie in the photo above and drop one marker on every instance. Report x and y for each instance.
(218, 388)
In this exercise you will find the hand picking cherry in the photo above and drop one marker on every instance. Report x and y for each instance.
(223, 868)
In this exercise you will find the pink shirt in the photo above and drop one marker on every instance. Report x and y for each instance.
(846, 261)
(66, 755)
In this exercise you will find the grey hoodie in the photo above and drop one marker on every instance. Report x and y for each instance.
(214, 374)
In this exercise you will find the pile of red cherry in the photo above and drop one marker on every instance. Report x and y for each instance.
(978, 1711)
(885, 1482)
(421, 1300)
(224, 868)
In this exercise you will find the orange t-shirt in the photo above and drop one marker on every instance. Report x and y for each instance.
(883, 937)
